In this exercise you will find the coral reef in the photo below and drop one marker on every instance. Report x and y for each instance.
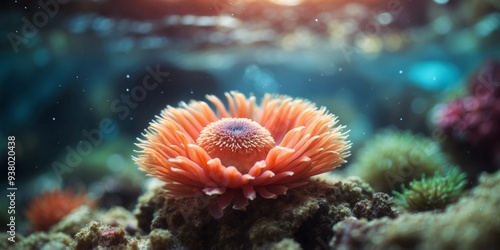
(96, 235)
(393, 158)
(471, 223)
(243, 151)
(285, 244)
(90, 229)
(375, 208)
(160, 239)
(323, 214)
(46, 241)
(432, 193)
(75, 221)
(120, 190)
(302, 217)
(471, 122)
(51, 206)
(79, 218)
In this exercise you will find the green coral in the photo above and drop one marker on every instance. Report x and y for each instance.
(432, 193)
(392, 158)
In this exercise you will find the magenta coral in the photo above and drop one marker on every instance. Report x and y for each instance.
(474, 120)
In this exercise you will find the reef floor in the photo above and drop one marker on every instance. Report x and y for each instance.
(325, 214)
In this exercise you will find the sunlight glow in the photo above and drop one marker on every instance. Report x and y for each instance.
(287, 2)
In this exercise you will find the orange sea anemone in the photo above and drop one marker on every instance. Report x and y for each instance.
(51, 206)
(241, 151)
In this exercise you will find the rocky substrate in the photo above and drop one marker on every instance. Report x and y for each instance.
(324, 214)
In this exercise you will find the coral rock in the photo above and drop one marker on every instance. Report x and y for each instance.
(378, 207)
(471, 223)
(97, 235)
(285, 244)
(160, 239)
(305, 215)
(45, 241)
(112, 237)
(74, 221)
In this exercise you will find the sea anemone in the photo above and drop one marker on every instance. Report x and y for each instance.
(432, 193)
(392, 158)
(51, 206)
(241, 151)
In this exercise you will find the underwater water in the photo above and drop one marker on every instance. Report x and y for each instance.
(415, 149)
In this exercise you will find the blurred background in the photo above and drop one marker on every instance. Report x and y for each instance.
(89, 76)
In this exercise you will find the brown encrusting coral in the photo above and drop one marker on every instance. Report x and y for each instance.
(304, 215)
(241, 151)
(51, 206)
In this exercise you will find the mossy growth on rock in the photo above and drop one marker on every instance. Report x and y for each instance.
(42, 240)
(432, 193)
(96, 235)
(470, 223)
(304, 216)
(393, 158)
